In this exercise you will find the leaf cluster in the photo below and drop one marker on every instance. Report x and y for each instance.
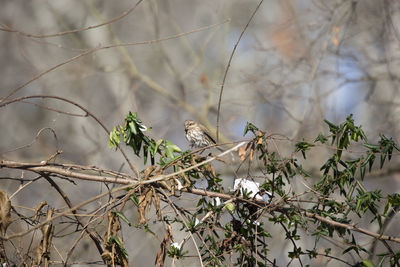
(238, 227)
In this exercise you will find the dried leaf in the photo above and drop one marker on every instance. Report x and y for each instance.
(251, 153)
(148, 171)
(114, 251)
(163, 248)
(157, 204)
(242, 153)
(145, 203)
(173, 185)
(106, 256)
(166, 185)
(119, 255)
(5, 208)
(210, 169)
(259, 140)
(149, 198)
(38, 208)
(141, 209)
(43, 250)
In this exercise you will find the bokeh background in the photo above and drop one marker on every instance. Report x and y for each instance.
(298, 63)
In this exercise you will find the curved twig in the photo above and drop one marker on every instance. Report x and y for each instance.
(35, 139)
(229, 64)
(88, 113)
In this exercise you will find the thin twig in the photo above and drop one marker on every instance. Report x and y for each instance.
(34, 140)
(82, 204)
(64, 196)
(88, 113)
(184, 222)
(229, 64)
(92, 50)
(125, 13)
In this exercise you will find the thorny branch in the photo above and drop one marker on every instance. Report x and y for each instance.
(64, 171)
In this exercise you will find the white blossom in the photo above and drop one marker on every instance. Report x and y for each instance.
(250, 186)
(179, 185)
(176, 245)
(217, 201)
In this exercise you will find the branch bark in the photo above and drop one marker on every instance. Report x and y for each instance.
(128, 182)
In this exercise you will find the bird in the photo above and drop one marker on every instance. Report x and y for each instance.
(198, 135)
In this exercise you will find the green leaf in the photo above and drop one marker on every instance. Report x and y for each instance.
(114, 138)
(147, 229)
(392, 201)
(321, 138)
(176, 148)
(170, 149)
(158, 143)
(303, 172)
(250, 127)
(303, 146)
(344, 142)
(371, 160)
(362, 171)
(390, 151)
(354, 136)
(383, 157)
(381, 261)
(136, 145)
(115, 239)
(122, 216)
(367, 263)
(358, 206)
(374, 148)
(134, 199)
(145, 153)
(230, 206)
(132, 127)
(332, 127)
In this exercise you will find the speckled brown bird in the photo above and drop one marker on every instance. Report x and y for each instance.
(198, 135)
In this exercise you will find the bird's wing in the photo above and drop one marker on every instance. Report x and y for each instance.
(204, 129)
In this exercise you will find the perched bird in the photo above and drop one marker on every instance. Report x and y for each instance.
(197, 135)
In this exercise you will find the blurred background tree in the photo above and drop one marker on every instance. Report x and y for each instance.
(298, 63)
